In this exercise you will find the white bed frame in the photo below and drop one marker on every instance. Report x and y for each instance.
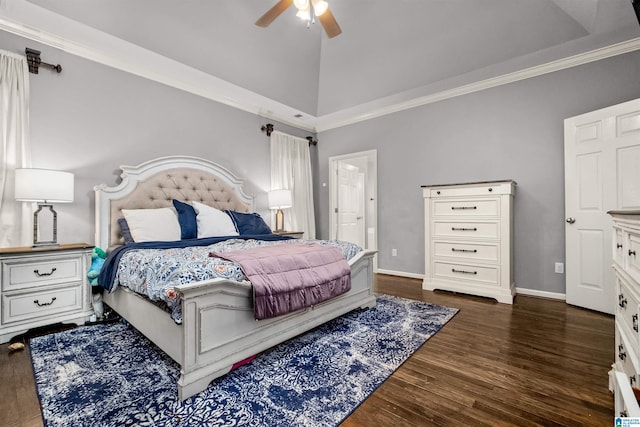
(218, 328)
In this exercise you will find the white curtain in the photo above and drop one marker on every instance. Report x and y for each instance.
(291, 170)
(15, 217)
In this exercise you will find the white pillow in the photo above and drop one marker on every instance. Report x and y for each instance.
(213, 222)
(151, 225)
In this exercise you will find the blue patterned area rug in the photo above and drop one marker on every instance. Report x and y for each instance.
(110, 375)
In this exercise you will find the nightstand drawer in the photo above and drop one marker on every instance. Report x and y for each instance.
(21, 273)
(21, 307)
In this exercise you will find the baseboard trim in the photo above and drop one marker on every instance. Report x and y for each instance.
(521, 291)
(400, 273)
(542, 294)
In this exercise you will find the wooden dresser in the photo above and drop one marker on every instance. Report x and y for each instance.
(43, 286)
(625, 374)
(468, 238)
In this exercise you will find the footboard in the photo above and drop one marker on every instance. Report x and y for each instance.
(219, 328)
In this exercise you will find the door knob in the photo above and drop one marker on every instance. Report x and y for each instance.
(571, 220)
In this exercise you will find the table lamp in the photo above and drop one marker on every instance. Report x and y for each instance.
(45, 187)
(279, 199)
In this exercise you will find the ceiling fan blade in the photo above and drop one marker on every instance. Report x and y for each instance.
(273, 13)
(329, 24)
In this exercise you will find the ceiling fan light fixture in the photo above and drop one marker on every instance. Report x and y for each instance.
(301, 4)
(319, 6)
(304, 14)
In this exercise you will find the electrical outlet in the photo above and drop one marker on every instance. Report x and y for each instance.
(559, 267)
(394, 252)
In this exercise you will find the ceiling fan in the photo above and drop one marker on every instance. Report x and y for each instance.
(307, 9)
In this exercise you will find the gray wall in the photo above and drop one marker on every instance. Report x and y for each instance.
(90, 119)
(513, 131)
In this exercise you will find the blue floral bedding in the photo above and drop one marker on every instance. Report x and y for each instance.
(155, 272)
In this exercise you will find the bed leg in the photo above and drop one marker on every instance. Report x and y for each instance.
(196, 384)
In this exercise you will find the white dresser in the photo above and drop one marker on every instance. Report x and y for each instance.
(468, 238)
(40, 287)
(626, 264)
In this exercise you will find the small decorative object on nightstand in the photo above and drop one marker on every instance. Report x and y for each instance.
(294, 234)
(43, 286)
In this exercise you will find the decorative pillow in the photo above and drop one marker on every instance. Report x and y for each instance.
(124, 230)
(249, 223)
(186, 219)
(213, 222)
(153, 225)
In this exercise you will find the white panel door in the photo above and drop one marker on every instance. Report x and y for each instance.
(602, 173)
(350, 204)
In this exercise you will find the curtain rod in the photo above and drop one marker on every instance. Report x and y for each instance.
(268, 128)
(34, 61)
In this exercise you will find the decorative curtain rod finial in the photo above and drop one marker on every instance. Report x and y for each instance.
(312, 141)
(34, 61)
(268, 128)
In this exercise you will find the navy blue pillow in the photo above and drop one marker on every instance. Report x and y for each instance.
(186, 219)
(249, 223)
(124, 230)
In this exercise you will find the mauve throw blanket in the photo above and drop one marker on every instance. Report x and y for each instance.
(287, 278)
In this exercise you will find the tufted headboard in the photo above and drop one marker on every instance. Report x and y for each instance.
(155, 183)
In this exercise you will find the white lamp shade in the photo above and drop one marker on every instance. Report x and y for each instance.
(39, 185)
(279, 199)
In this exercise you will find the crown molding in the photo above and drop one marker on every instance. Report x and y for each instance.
(35, 23)
(358, 114)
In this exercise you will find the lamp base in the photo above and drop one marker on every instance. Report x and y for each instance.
(279, 221)
(45, 243)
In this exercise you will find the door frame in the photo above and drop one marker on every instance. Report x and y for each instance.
(371, 197)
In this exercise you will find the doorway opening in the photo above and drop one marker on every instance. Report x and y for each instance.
(353, 206)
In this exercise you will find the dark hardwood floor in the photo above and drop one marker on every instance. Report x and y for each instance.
(537, 362)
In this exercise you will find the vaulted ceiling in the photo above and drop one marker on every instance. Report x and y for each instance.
(390, 51)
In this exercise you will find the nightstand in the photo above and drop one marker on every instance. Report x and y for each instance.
(294, 234)
(43, 286)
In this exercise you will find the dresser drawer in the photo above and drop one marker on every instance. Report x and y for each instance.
(627, 306)
(466, 191)
(469, 251)
(27, 306)
(633, 253)
(626, 404)
(20, 273)
(471, 273)
(626, 358)
(469, 207)
(618, 251)
(466, 229)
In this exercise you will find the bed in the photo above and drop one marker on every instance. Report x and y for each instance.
(218, 328)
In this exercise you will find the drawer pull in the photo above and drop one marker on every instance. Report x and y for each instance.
(622, 301)
(461, 208)
(619, 245)
(39, 304)
(37, 273)
(632, 252)
(464, 271)
(635, 322)
(632, 380)
(621, 353)
(624, 414)
(464, 250)
(463, 229)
